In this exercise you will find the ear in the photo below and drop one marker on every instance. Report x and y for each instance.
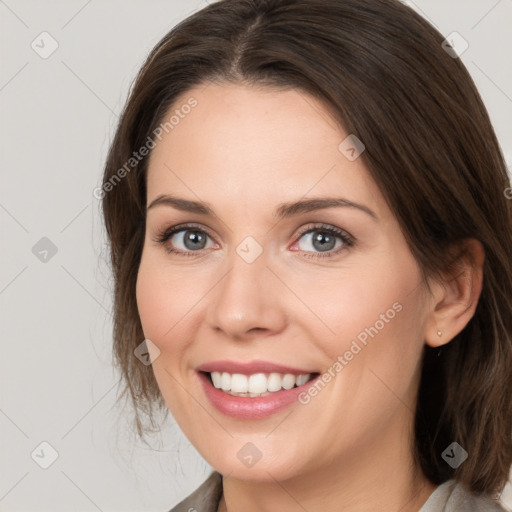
(454, 299)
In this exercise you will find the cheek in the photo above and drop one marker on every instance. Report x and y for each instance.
(163, 309)
(376, 349)
(152, 303)
(164, 300)
(386, 320)
(375, 319)
(376, 299)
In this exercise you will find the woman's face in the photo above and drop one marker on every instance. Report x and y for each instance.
(259, 287)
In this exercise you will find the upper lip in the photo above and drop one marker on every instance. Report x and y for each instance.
(249, 368)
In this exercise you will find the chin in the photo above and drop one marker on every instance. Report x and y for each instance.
(255, 461)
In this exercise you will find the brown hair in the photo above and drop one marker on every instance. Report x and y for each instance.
(430, 147)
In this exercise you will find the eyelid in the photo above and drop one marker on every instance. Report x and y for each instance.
(320, 226)
(171, 230)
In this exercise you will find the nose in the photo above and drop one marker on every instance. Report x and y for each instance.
(247, 301)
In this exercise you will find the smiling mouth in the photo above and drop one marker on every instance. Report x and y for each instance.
(257, 384)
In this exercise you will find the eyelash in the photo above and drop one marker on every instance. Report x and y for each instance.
(347, 239)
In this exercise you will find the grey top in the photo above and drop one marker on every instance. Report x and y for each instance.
(448, 497)
(453, 497)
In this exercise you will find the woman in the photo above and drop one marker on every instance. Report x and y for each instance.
(305, 201)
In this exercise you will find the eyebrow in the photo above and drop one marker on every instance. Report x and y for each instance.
(283, 210)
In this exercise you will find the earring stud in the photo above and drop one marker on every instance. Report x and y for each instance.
(439, 333)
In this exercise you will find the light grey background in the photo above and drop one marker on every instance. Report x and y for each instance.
(57, 118)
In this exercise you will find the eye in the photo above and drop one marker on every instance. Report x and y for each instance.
(324, 239)
(184, 239)
(320, 241)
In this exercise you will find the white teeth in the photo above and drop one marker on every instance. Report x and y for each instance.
(257, 384)
(289, 381)
(239, 383)
(226, 382)
(217, 379)
(302, 379)
(274, 382)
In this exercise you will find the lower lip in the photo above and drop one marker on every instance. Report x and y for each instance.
(250, 408)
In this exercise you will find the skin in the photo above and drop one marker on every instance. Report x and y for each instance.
(244, 150)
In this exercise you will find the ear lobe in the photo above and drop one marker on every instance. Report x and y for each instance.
(454, 300)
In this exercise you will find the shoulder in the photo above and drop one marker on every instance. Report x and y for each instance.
(205, 498)
(452, 496)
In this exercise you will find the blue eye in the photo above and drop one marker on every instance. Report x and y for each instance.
(190, 237)
(322, 240)
(325, 239)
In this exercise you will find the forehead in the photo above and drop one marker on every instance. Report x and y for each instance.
(256, 144)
